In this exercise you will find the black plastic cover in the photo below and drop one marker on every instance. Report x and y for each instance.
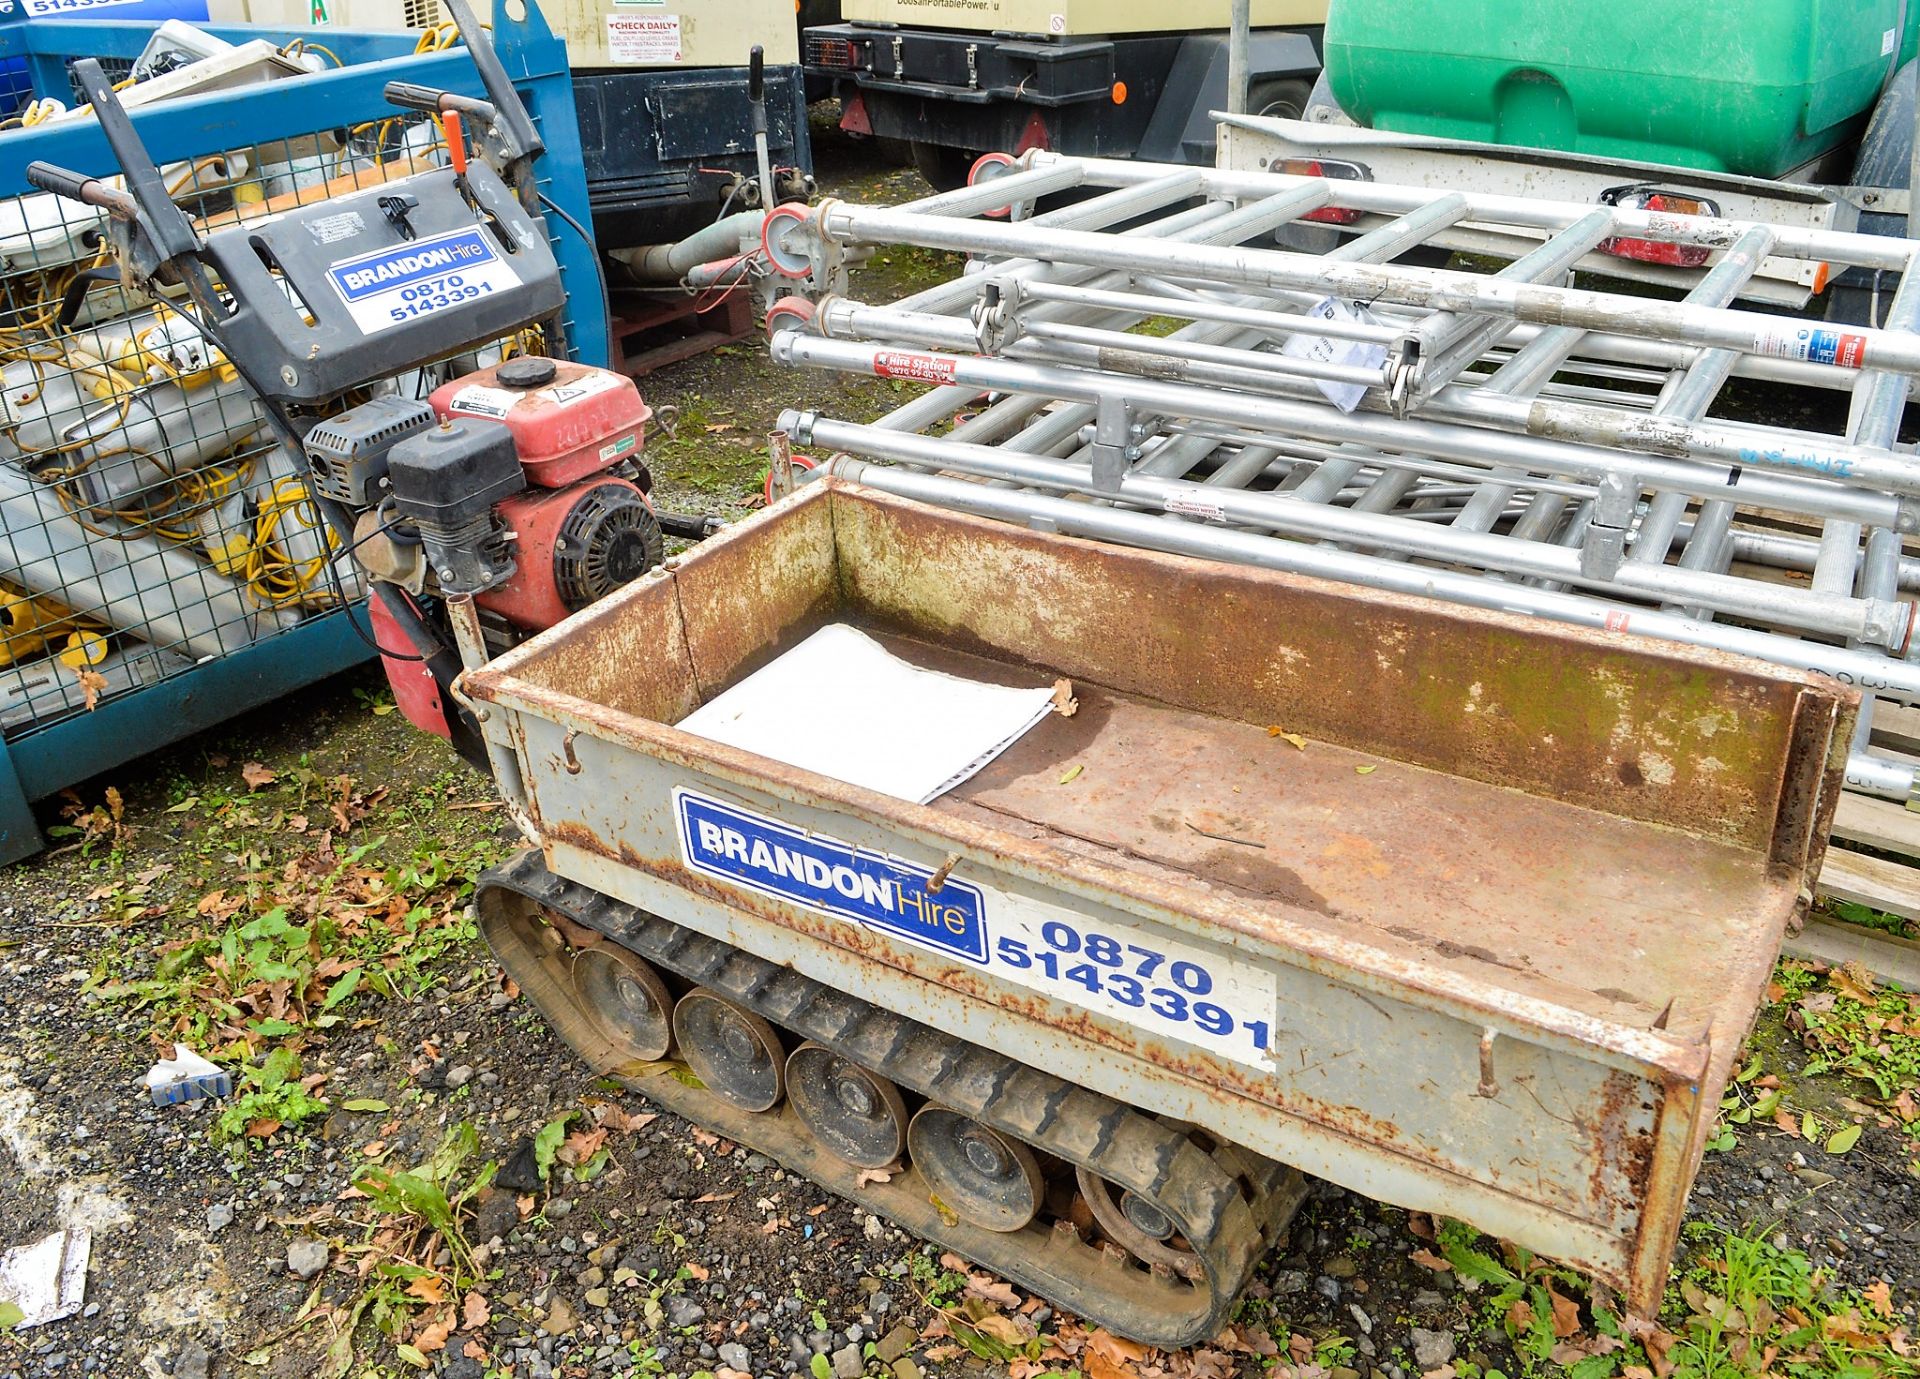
(450, 474)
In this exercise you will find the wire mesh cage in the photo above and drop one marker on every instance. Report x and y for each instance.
(154, 521)
(150, 525)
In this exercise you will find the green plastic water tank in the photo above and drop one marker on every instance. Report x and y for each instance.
(1747, 86)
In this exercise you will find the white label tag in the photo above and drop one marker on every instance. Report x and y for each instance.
(331, 229)
(1167, 988)
(643, 38)
(481, 401)
(576, 388)
(1888, 42)
(391, 286)
(1196, 507)
(1329, 349)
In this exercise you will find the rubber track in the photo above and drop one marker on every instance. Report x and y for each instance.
(1230, 1205)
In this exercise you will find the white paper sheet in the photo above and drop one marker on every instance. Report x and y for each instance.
(47, 1280)
(843, 705)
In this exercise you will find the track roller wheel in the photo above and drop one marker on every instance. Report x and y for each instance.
(856, 1114)
(1138, 1226)
(627, 1002)
(735, 1052)
(990, 1179)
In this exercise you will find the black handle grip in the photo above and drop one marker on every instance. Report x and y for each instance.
(410, 96)
(757, 74)
(77, 186)
(58, 180)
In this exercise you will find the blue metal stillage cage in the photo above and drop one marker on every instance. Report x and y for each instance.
(117, 487)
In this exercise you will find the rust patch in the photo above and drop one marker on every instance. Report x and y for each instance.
(1261, 875)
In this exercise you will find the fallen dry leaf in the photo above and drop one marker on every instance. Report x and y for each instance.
(1064, 703)
(1115, 1348)
(92, 682)
(871, 1175)
(1427, 1259)
(698, 1271)
(1566, 1314)
(429, 1288)
(256, 775)
(433, 1336)
(1013, 1331)
(614, 1118)
(475, 1313)
(993, 1290)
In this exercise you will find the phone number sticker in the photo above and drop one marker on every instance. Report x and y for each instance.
(390, 287)
(1157, 984)
(1170, 989)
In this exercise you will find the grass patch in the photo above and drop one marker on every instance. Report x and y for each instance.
(1869, 918)
(1740, 1308)
(309, 933)
(1858, 1028)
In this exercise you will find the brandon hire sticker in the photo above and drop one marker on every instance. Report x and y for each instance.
(1167, 988)
(391, 286)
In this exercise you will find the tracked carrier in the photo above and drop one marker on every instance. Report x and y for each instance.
(1486, 945)
(1439, 883)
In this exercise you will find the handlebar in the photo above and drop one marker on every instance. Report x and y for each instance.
(78, 186)
(410, 96)
(756, 74)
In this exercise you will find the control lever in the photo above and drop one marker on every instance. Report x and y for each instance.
(757, 100)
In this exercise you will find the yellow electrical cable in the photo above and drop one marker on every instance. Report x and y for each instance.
(274, 576)
(300, 45)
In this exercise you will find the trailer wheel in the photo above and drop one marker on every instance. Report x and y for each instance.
(1282, 99)
(944, 168)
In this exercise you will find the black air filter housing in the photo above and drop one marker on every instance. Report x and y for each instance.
(448, 475)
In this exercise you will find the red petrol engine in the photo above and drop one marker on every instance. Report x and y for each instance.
(518, 485)
(579, 533)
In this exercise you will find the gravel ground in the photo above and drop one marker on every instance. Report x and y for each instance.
(685, 1254)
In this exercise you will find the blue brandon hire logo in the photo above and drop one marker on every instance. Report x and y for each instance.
(730, 844)
(419, 260)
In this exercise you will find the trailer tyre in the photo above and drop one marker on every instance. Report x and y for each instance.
(1284, 99)
(944, 168)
